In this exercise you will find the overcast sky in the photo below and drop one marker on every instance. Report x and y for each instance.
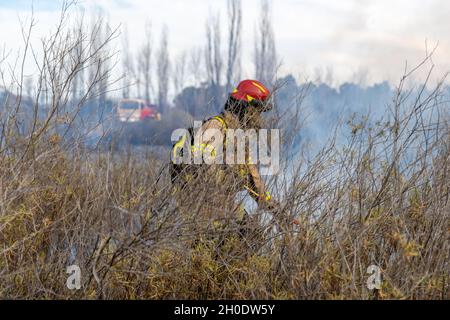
(356, 39)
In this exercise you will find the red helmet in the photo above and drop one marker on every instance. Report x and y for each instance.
(254, 93)
(249, 90)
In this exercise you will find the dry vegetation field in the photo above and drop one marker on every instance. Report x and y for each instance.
(382, 198)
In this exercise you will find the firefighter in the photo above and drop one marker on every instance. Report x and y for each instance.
(217, 184)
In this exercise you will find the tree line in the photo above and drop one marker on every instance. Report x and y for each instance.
(151, 73)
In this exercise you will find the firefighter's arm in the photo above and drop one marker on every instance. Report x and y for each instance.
(257, 188)
(259, 192)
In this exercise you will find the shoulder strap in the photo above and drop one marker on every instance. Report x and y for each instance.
(221, 120)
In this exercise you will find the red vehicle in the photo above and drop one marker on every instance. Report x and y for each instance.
(135, 110)
(150, 112)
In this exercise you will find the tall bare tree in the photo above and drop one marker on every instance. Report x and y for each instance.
(144, 61)
(195, 66)
(234, 42)
(28, 86)
(265, 55)
(179, 72)
(104, 71)
(79, 53)
(127, 65)
(213, 58)
(163, 71)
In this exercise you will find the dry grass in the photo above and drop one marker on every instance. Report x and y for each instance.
(115, 216)
(381, 198)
